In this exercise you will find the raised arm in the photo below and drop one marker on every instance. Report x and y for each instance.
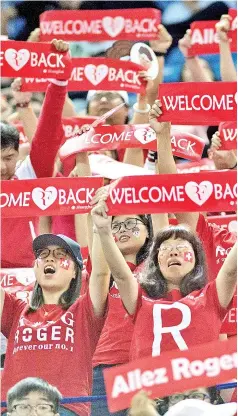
(193, 63)
(166, 163)
(49, 131)
(227, 278)
(127, 284)
(227, 66)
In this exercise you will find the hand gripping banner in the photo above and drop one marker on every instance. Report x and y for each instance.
(204, 39)
(199, 103)
(33, 59)
(95, 73)
(97, 25)
(172, 372)
(185, 145)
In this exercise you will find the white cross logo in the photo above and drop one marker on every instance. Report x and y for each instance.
(188, 256)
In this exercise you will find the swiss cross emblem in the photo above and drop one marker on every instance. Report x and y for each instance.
(64, 263)
(188, 256)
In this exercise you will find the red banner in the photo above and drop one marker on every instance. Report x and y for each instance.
(172, 372)
(47, 196)
(204, 39)
(228, 135)
(97, 25)
(204, 164)
(203, 103)
(228, 222)
(33, 59)
(98, 74)
(72, 125)
(174, 193)
(18, 281)
(185, 145)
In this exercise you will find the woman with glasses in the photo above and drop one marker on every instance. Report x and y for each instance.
(55, 336)
(133, 236)
(173, 307)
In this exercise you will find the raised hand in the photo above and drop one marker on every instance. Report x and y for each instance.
(223, 159)
(157, 126)
(184, 44)
(223, 26)
(20, 97)
(60, 45)
(163, 42)
(102, 222)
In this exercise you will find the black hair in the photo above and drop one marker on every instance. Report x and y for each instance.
(9, 136)
(162, 405)
(146, 52)
(33, 384)
(152, 280)
(66, 299)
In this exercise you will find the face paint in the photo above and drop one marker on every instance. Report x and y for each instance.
(136, 232)
(115, 238)
(188, 256)
(64, 263)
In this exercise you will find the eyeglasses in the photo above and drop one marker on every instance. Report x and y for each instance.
(168, 248)
(129, 224)
(26, 409)
(193, 395)
(58, 253)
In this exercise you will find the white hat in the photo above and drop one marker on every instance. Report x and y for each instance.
(194, 407)
(123, 95)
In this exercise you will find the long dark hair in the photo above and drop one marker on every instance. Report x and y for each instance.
(152, 280)
(66, 299)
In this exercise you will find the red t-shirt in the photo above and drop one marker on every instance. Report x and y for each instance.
(217, 243)
(114, 344)
(175, 322)
(58, 347)
(17, 233)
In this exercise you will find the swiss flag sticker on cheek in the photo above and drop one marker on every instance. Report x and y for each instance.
(64, 263)
(188, 256)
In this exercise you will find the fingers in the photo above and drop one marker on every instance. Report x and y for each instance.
(101, 194)
(34, 35)
(16, 84)
(60, 45)
(156, 110)
(216, 141)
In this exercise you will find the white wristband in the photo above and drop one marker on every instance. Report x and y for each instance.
(137, 110)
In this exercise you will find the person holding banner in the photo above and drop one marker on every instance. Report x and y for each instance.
(55, 336)
(172, 306)
(16, 252)
(227, 66)
(217, 242)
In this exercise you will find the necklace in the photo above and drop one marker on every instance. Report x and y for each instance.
(46, 313)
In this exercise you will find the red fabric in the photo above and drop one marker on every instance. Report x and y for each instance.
(201, 306)
(16, 238)
(114, 344)
(217, 243)
(57, 348)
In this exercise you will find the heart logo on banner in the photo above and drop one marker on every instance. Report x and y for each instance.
(25, 277)
(44, 198)
(113, 26)
(95, 74)
(199, 193)
(17, 59)
(145, 136)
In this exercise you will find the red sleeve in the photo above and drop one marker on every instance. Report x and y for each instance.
(12, 307)
(212, 300)
(49, 132)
